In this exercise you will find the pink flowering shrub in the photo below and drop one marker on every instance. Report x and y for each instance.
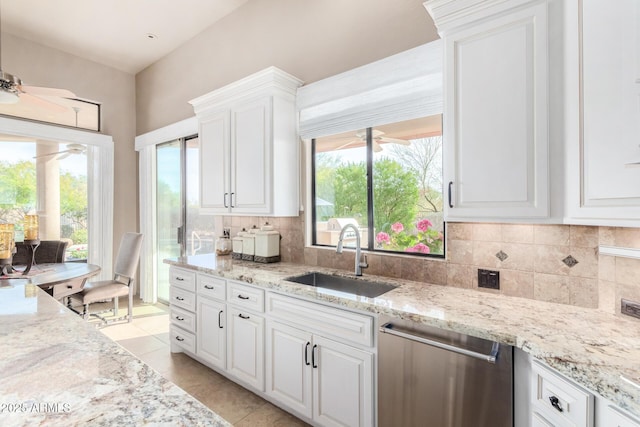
(424, 239)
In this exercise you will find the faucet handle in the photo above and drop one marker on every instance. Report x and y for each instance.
(363, 263)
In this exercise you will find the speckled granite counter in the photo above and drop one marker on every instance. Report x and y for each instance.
(56, 369)
(597, 350)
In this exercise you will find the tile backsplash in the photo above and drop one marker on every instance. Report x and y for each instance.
(557, 263)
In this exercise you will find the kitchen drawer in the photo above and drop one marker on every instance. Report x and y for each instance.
(538, 420)
(183, 318)
(574, 406)
(328, 321)
(245, 296)
(181, 298)
(212, 287)
(69, 288)
(181, 278)
(618, 419)
(182, 338)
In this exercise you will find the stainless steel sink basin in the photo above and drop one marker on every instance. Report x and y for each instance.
(362, 287)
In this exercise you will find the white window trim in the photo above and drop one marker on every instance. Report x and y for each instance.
(401, 87)
(146, 145)
(99, 181)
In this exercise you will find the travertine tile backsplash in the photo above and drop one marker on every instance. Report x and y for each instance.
(557, 263)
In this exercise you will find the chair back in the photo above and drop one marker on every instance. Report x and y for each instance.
(128, 255)
(48, 251)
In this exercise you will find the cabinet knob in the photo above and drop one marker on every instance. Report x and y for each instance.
(555, 402)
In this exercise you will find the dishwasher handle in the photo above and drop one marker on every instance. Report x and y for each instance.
(388, 328)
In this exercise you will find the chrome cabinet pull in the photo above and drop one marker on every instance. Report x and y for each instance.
(388, 328)
(219, 319)
(231, 198)
(243, 317)
(225, 200)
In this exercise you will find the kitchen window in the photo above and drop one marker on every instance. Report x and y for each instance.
(387, 181)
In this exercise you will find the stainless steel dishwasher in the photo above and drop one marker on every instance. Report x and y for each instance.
(430, 377)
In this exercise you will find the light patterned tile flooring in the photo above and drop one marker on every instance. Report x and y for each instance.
(147, 337)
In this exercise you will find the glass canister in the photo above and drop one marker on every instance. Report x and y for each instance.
(224, 246)
(31, 227)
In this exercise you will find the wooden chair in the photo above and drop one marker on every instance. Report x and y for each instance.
(122, 284)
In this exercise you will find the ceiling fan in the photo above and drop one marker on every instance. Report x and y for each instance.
(377, 139)
(12, 90)
(71, 149)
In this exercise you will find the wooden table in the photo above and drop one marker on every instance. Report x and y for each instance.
(59, 280)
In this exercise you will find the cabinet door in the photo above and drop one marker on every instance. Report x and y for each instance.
(245, 346)
(342, 384)
(495, 118)
(251, 149)
(611, 97)
(214, 162)
(211, 342)
(288, 371)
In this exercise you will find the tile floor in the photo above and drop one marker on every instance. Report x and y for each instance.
(147, 337)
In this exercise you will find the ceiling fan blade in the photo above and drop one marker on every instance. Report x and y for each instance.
(395, 140)
(50, 154)
(47, 91)
(65, 155)
(347, 144)
(37, 102)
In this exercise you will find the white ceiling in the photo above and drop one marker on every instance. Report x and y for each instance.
(113, 32)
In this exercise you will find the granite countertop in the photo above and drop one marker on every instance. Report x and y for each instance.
(598, 350)
(56, 369)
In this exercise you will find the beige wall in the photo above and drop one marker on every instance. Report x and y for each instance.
(311, 39)
(42, 66)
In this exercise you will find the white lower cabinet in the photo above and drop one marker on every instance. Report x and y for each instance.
(545, 398)
(314, 360)
(320, 378)
(342, 384)
(212, 335)
(245, 346)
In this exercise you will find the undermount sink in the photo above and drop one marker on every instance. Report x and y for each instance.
(362, 287)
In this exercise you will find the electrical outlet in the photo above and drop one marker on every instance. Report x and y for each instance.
(630, 308)
(488, 279)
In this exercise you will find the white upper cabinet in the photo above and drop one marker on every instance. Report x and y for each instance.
(496, 108)
(249, 146)
(609, 186)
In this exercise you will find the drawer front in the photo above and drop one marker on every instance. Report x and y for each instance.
(617, 419)
(328, 321)
(183, 318)
(212, 287)
(559, 401)
(182, 278)
(182, 338)
(68, 288)
(245, 296)
(183, 299)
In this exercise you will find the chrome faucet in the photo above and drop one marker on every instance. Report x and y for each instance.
(360, 264)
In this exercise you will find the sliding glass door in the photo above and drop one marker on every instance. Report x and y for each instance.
(180, 228)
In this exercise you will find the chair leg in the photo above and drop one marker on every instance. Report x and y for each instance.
(85, 312)
(130, 312)
(115, 307)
